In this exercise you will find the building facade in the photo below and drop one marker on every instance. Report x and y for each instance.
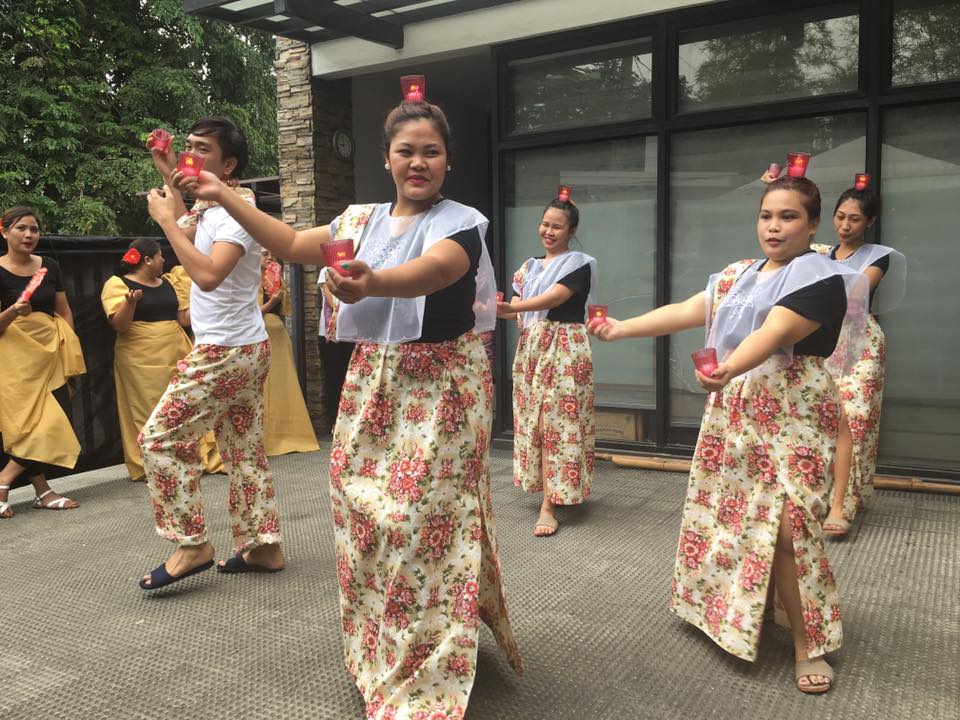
(661, 116)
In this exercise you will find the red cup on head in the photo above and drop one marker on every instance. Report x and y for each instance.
(774, 169)
(336, 252)
(414, 88)
(190, 164)
(160, 140)
(596, 312)
(797, 163)
(861, 181)
(705, 360)
(563, 193)
(499, 296)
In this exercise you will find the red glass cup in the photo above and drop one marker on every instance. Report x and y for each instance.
(413, 87)
(499, 297)
(705, 360)
(597, 312)
(160, 140)
(774, 170)
(861, 181)
(336, 252)
(190, 164)
(563, 193)
(797, 163)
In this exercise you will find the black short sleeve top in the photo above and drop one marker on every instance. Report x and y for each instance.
(824, 302)
(448, 313)
(44, 298)
(157, 303)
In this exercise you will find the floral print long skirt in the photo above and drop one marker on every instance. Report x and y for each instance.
(553, 418)
(221, 389)
(416, 551)
(861, 391)
(766, 447)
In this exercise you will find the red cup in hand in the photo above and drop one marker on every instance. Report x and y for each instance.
(499, 297)
(336, 252)
(597, 312)
(190, 164)
(774, 170)
(705, 360)
(160, 140)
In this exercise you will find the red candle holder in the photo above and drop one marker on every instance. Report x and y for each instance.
(190, 164)
(499, 297)
(774, 170)
(797, 163)
(272, 278)
(414, 88)
(160, 140)
(337, 252)
(597, 312)
(705, 360)
(563, 193)
(861, 181)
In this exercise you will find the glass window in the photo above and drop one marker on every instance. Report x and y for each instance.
(921, 182)
(715, 195)
(615, 187)
(926, 42)
(789, 55)
(597, 85)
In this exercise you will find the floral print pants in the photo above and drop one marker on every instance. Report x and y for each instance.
(218, 388)
(553, 417)
(416, 551)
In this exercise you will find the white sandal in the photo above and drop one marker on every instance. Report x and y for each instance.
(60, 504)
(4, 505)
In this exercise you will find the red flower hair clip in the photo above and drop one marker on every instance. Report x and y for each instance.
(132, 257)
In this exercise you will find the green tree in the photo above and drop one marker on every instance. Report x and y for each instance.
(84, 82)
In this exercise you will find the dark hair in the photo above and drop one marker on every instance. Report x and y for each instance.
(806, 187)
(14, 214)
(146, 247)
(407, 111)
(230, 138)
(572, 211)
(867, 199)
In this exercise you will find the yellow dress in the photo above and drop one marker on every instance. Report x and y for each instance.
(145, 358)
(286, 423)
(40, 353)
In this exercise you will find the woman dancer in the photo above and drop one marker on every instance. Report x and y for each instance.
(861, 389)
(410, 485)
(759, 484)
(40, 354)
(286, 422)
(143, 306)
(553, 416)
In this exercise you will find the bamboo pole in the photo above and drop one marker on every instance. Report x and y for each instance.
(881, 482)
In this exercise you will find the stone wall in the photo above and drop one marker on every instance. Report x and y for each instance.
(315, 185)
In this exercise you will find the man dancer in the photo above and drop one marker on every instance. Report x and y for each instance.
(219, 385)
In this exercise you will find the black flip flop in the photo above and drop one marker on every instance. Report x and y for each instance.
(159, 577)
(237, 564)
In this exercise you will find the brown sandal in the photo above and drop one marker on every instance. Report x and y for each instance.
(546, 521)
(809, 668)
(836, 527)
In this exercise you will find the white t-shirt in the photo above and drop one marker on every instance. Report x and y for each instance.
(230, 315)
